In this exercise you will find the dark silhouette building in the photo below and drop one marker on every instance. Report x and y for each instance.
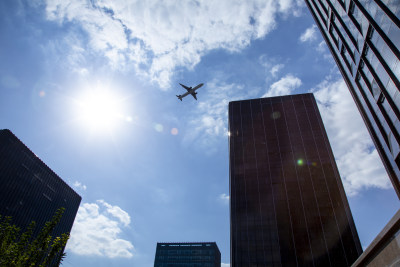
(288, 205)
(199, 254)
(364, 39)
(30, 190)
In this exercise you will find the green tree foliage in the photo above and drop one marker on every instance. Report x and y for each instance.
(22, 250)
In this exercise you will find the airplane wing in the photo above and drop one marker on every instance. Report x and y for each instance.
(194, 95)
(184, 86)
(198, 86)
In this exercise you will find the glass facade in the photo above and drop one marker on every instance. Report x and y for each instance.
(288, 205)
(30, 190)
(364, 39)
(187, 255)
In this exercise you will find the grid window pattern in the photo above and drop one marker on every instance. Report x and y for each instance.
(364, 39)
(188, 255)
(30, 190)
(288, 206)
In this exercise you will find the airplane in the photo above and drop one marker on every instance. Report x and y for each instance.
(190, 90)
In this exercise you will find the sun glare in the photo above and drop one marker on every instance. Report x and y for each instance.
(100, 110)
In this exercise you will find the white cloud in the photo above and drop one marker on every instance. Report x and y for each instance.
(356, 157)
(276, 68)
(224, 198)
(165, 35)
(79, 185)
(117, 212)
(272, 66)
(96, 231)
(309, 35)
(225, 264)
(284, 86)
(210, 119)
(322, 47)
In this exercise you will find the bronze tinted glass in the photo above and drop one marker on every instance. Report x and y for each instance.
(288, 205)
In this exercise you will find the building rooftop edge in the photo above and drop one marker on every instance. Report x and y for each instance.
(250, 99)
(25, 146)
(187, 242)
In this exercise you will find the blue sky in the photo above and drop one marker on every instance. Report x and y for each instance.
(150, 168)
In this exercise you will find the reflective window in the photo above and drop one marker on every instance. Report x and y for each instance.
(376, 91)
(347, 59)
(334, 35)
(394, 34)
(324, 5)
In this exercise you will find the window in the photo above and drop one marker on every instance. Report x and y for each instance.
(347, 59)
(343, 3)
(376, 91)
(332, 31)
(397, 160)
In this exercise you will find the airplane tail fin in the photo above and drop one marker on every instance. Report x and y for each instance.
(179, 97)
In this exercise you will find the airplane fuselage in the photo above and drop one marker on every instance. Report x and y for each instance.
(190, 91)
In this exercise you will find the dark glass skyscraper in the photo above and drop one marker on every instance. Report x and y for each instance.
(364, 39)
(288, 205)
(201, 254)
(30, 190)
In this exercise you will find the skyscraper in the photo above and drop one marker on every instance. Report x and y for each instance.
(364, 39)
(288, 205)
(30, 190)
(200, 254)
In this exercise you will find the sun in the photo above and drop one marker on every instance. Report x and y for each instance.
(100, 110)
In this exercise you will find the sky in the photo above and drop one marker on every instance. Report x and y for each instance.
(90, 87)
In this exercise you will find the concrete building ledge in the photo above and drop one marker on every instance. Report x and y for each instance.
(384, 250)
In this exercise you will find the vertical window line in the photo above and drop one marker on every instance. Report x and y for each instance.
(334, 167)
(311, 178)
(245, 184)
(257, 175)
(269, 170)
(284, 182)
(232, 196)
(297, 176)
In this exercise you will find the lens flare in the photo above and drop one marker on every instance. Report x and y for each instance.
(174, 131)
(275, 115)
(158, 127)
(300, 162)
